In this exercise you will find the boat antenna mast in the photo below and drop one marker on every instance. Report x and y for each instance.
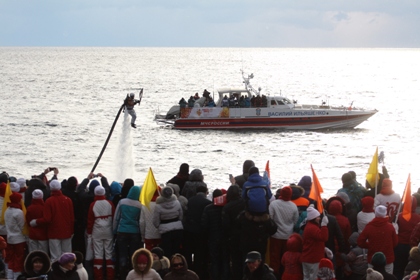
(247, 83)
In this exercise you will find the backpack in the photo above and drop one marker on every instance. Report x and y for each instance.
(256, 199)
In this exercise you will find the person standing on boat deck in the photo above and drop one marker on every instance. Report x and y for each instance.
(129, 103)
(225, 101)
(191, 102)
(182, 103)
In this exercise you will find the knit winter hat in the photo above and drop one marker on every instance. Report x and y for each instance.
(286, 193)
(196, 175)
(326, 263)
(99, 191)
(158, 251)
(21, 182)
(253, 170)
(167, 192)
(67, 258)
(142, 259)
(353, 238)
(15, 197)
(386, 187)
(380, 211)
(297, 191)
(37, 194)
(367, 203)
(93, 184)
(373, 275)
(55, 185)
(378, 259)
(14, 187)
(312, 213)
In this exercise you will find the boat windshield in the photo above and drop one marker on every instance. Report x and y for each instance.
(283, 101)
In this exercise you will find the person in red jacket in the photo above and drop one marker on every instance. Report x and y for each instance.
(291, 259)
(314, 239)
(405, 228)
(379, 236)
(59, 217)
(38, 239)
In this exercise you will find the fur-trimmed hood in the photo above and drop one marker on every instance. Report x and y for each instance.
(415, 254)
(28, 265)
(161, 199)
(136, 254)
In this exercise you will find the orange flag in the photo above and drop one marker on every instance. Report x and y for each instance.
(316, 191)
(266, 174)
(406, 214)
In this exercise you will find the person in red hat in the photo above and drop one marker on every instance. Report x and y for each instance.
(285, 214)
(325, 270)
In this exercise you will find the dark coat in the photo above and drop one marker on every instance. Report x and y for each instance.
(195, 208)
(211, 222)
(263, 272)
(230, 213)
(255, 231)
(57, 274)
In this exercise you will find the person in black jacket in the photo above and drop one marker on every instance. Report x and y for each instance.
(241, 179)
(234, 206)
(211, 222)
(182, 176)
(37, 264)
(256, 269)
(195, 238)
(255, 231)
(64, 268)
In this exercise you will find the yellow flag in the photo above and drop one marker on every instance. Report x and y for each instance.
(316, 190)
(372, 175)
(6, 200)
(7, 194)
(148, 189)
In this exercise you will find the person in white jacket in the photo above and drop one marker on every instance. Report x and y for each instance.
(16, 240)
(388, 198)
(285, 214)
(149, 233)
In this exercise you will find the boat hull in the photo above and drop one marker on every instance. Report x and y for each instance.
(291, 120)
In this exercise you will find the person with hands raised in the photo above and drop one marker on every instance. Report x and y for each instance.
(314, 238)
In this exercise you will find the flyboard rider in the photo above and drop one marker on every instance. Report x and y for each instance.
(129, 104)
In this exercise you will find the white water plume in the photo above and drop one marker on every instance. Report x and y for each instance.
(124, 158)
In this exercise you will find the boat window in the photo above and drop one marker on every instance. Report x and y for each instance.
(280, 102)
(273, 102)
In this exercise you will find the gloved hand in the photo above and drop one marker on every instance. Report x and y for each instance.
(324, 221)
(32, 223)
(328, 252)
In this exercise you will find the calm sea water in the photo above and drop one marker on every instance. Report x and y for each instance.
(58, 105)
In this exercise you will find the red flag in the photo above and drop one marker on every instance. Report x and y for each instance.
(316, 190)
(406, 214)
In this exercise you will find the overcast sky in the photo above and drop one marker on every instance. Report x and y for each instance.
(211, 23)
